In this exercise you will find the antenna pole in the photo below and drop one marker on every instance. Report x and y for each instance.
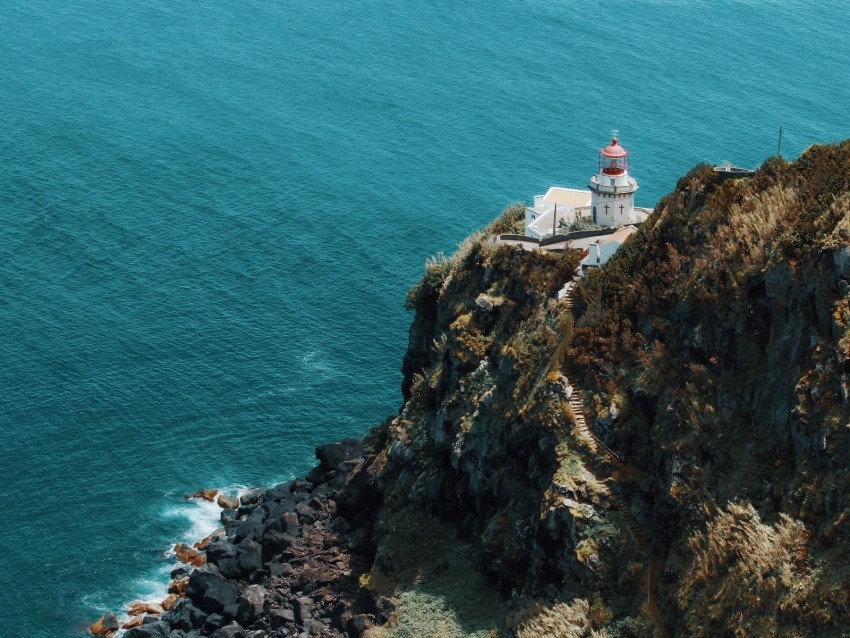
(554, 219)
(779, 146)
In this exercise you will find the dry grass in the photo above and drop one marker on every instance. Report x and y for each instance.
(743, 564)
(431, 576)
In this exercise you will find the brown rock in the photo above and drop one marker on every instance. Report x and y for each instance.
(105, 625)
(133, 622)
(207, 495)
(186, 554)
(178, 587)
(228, 502)
(169, 602)
(138, 608)
(205, 542)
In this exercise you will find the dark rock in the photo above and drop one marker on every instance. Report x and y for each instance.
(210, 590)
(228, 515)
(306, 514)
(303, 606)
(316, 475)
(385, 608)
(278, 570)
(250, 603)
(249, 556)
(300, 497)
(279, 617)
(180, 572)
(233, 630)
(340, 615)
(251, 529)
(156, 629)
(278, 492)
(339, 525)
(252, 496)
(184, 615)
(275, 510)
(290, 520)
(213, 622)
(275, 542)
(333, 454)
(358, 625)
(220, 548)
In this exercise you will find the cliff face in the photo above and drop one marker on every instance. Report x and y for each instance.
(662, 452)
(712, 358)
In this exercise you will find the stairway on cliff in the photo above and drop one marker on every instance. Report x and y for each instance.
(641, 534)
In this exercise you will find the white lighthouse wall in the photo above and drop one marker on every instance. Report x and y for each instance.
(619, 180)
(613, 217)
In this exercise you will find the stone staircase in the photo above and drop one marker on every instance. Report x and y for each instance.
(642, 536)
(639, 532)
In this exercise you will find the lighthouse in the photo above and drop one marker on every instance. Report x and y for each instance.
(612, 189)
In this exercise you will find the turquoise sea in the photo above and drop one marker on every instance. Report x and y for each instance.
(211, 212)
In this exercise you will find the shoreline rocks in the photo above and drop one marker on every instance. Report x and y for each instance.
(286, 562)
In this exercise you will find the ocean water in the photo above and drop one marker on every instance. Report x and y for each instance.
(211, 213)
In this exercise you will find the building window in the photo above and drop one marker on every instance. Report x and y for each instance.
(613, 181)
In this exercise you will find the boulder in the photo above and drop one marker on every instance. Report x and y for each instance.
(334, 454)
(358, 625)
(228, 502)
(252, 529)
(138, 608)
(303, 606)
(185, 615)
(168, 603)
(207, 495)
(157, 629)
(483, 302)
(133, 622)
(213, 622)
(233, 630)
(220, 548)
(249, 556)
(186, 554)
(178, 586)
(219, 596)
(210, 590)
(105, 624)
(290, 521)
(278, 492)
(180, 572)
(281, 617)
(250, 603)
(251, 496)
(204, 543)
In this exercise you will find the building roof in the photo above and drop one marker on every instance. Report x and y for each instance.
(572, 197)
(614, 149)
(620, 236)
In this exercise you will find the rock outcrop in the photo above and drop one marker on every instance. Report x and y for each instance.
(661, 452)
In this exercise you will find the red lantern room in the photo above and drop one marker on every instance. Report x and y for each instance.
(613, 159)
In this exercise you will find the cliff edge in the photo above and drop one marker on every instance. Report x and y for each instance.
(660, 452)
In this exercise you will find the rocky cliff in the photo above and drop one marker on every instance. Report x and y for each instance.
(661, 452)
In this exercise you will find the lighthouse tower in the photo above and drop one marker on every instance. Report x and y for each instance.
(612, 189)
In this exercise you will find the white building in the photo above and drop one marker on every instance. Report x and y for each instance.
(600, 249)
(610, 200)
